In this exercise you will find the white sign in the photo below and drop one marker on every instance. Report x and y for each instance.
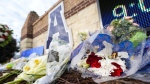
(57, 25)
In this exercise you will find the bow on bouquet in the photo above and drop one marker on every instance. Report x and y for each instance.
(5, 35)
(112, 54)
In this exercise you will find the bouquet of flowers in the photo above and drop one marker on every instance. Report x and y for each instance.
(16, 64)
(34, 69)
(123, 29)
(5, 35)
(57, 62)
(117, 52)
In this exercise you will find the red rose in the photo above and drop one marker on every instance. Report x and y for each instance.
(118, 71)
(8, 31)
(5, 37)
(93, 59)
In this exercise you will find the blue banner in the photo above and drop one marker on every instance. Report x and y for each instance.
(38, 50)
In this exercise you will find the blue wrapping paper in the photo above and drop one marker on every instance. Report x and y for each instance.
(123, 46)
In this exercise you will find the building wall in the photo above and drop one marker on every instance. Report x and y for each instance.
(86, 20)
(81, 15)
(37, 27)
(27, 31)
(40, 40)
(69, 4)
(26, 44)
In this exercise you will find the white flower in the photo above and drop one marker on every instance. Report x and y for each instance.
(1, 26)
(34, 66)
(123, 55)
(106, 67)
(107, 64)
(82, 36)
(1, 33)
(121, 63)
(107, 51)
(83, 63)
(6, 34)
(2, 39)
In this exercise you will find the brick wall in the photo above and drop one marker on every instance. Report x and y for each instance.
(40, 40)
(24, 30)
(27, 30)
(40, 26)
(86, 20)
(69, 4)
(74, 6)
(79, 14)
(26, 43)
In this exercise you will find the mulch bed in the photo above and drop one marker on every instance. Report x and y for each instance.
(11, 78)
(8, 79)
(74, 77)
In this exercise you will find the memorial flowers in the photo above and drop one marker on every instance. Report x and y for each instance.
(115, 52)
(93, 59)
(105, 63)
(5, 35)
(34, 69)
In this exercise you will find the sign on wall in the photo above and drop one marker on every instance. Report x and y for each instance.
(57, 25)
(114, 9)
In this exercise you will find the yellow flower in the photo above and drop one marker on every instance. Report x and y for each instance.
(9, 66)
(86, 65)
(83, 63)
(27, 68)
(36, 61)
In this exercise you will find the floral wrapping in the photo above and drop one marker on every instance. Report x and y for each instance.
(112, 55)
(58, 57)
